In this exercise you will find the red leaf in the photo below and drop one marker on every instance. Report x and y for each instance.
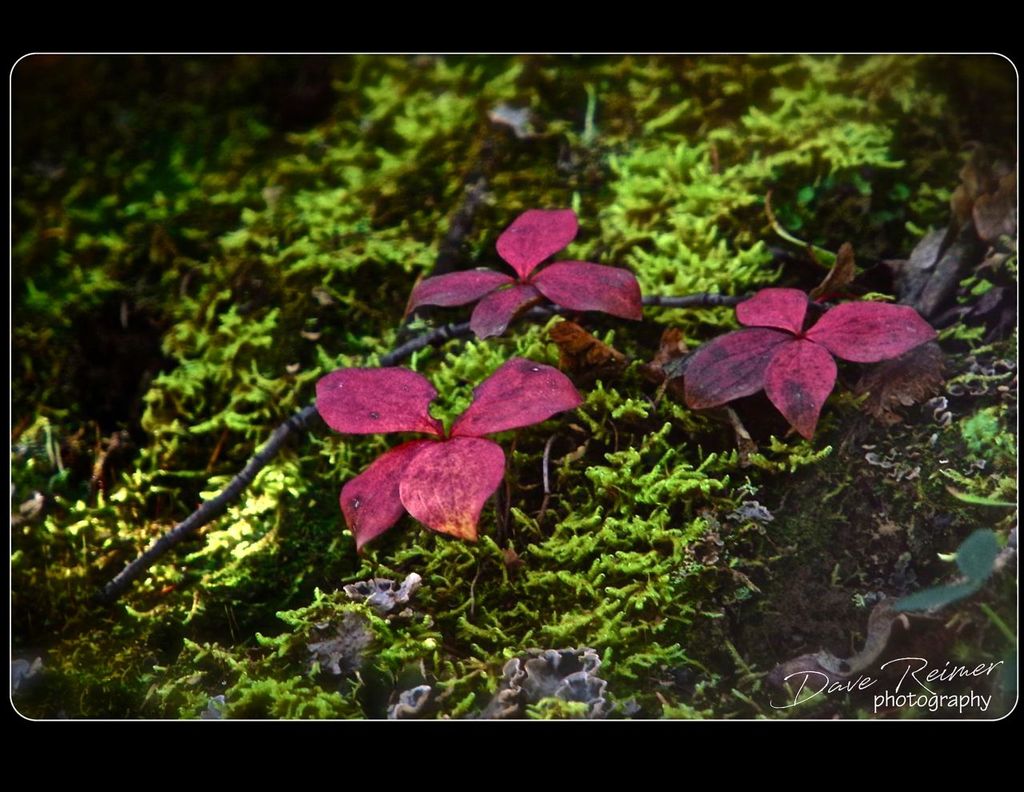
(535, 235)
(866, 332)
(368, 401)
(446, 485)
(519, 393)
(370, 502)
(457, 288)
(798, 380)
(581, 286)
(494, 312)
(731, 366)
(781, 308)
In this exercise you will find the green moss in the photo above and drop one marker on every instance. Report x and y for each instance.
(986, 436)
(556, 709)
(190, 264)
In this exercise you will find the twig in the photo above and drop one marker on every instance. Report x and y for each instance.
(436, 336)
(474, 193)
(451, 246)
(216, 506)
(544, 473)
(693, 300)
(210, 509)
(472, 592)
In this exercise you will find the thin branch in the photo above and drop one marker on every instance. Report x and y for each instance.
(546, 462)
(436, 336)
(210, 509)
(216, 506)
(693, 300)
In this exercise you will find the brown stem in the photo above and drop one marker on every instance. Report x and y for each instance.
(693, 300)
(216, 506)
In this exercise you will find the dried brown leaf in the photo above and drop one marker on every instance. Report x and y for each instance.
(928, 281)
(839, 277)
(584, 356)
(995, 213)
(667, 361)
(986, 195)
(910, 379)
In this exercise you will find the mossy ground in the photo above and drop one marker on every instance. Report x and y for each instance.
(196, 241)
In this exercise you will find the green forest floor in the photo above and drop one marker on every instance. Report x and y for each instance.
(198, 240)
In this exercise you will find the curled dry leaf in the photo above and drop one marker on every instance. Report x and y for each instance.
(669, 363)
(912, 378)
(995, 213)
(583, 355)
(839, 277)
(983, 208)
(984, 180)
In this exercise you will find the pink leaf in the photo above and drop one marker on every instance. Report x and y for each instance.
(781, 308)
(866, 332)
(446, 485)
(535, 235)
(494, 312)
(581, 286)
(370, 502)
(457, 288)
(368, 401)
(731, 366)
(798, 380)
(519, 393)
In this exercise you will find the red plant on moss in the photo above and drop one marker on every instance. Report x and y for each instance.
(533, 236)
(443, 482)
(794, 365)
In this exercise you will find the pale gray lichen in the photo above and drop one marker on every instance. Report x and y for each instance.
(214, 708)
(568, 674)
(382, 594)
(23, 670)
(751, 510)
(344, 642)
(411, 703)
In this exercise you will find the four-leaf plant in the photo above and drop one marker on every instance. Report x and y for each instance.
(792, 364)
(443, 482)
(533, 236)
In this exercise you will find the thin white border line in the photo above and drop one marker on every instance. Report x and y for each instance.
(10, 364)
